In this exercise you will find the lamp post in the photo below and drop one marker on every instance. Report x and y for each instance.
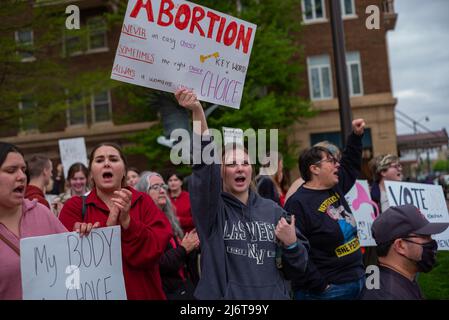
(338, 41)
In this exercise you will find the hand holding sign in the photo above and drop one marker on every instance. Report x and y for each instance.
(187, 99)
(84, 228)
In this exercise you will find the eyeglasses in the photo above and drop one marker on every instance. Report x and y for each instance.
(397, 166)
(328, 159)
(157, 187)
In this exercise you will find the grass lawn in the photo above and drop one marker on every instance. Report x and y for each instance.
(435, 284)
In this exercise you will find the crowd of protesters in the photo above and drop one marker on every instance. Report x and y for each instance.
(231, 236)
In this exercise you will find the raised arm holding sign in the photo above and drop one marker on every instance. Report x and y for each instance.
(171, 44)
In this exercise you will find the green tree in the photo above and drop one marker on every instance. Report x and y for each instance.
(270, 98)
(34, 69)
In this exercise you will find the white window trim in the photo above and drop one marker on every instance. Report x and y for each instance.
(313, 20)
(79, 125)
(105, 48)
(16, 37)
(92, 106)
(348, 16)
(351, 89)
(319, 66)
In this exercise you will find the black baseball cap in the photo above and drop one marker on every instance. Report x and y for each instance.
(401, 221)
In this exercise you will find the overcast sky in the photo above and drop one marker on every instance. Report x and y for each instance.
(419, 62)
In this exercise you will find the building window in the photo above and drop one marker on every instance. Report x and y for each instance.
(313, 10)
(89, 39)
(347, 8)
(27, 107)
(97, 38)
(73, 43)
(76, 111)
(354, 73)
(320, 82)
(24, 41)
(101, 107)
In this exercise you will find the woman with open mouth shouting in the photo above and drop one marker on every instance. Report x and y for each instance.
(145, 231)
(239, 230)
(19, 218)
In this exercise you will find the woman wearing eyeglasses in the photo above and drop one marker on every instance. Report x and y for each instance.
(335, 269)
(145, 230)
(178, 264)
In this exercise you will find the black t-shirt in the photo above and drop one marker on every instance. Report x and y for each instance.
(393, 286)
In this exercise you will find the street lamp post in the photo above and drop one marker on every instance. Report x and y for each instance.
(338, 41)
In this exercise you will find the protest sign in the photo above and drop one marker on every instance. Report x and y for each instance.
(364, 210)
(66, 267)
(428, 198)
(169, 44)
(72, 151)
(232, 135)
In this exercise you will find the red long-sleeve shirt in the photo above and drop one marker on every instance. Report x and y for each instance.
(183, 211)
(142, 243)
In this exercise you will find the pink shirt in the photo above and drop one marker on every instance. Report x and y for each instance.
(36, 220)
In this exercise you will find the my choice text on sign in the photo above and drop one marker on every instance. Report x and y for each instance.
(66, 267)
(168, 44)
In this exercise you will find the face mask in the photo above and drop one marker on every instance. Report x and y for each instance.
(428, 256)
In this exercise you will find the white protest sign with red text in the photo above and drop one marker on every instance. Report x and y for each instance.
(168, 44)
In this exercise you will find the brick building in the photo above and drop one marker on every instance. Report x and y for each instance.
(368, 74)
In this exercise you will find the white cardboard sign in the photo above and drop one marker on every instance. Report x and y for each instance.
(364, 210)
(168, 44)
(66, 267)
(72, 151)
(428, 198)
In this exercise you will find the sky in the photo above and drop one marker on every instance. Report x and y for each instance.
(419, 63)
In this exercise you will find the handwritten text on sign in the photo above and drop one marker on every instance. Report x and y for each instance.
(168, 44)
(428, 198)
(66, 267)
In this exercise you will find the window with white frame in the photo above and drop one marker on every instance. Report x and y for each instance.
(101, 107)
(320, 78)
(24, 41)
(97, 38)
(354, 73)
(89, 39)
(313, 10)
(347, 8)
(28, 106)
(76, 111)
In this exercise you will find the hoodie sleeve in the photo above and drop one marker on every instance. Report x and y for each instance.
(205, 189)
(295, 260)
(351, 163)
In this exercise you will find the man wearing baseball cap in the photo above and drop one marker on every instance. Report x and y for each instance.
(404, 248)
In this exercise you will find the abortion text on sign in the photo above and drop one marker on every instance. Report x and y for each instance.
(168, 44)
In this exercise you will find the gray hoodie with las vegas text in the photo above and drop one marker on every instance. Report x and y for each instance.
(238, 243)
